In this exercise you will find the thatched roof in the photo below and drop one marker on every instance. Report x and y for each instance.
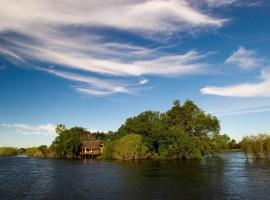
(91, 144)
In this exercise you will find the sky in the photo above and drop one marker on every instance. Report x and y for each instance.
(95, 63)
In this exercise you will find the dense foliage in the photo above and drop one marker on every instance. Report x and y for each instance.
(68, 143)
(130, 147)
(8, 151)
(256, 146)
(183, 132)
(11, 151)
(42, 152)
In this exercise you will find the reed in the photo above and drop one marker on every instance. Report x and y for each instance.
(256, 146)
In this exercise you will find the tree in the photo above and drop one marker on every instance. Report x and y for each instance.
(68, 143)
(234, 145)
(150, 125)
(130, 147)
(220, 142)
(192, 120)
(182, 146)
(60, 128)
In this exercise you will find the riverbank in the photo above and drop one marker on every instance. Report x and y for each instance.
(11, 151)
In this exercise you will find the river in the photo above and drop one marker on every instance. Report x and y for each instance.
(229, 177)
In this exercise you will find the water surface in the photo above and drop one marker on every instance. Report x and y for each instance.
(230, 177)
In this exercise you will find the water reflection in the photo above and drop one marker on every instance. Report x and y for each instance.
(229, 177)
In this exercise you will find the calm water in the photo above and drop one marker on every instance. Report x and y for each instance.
(231, 177)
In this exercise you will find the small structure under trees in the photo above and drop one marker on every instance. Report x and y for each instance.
(92, 148)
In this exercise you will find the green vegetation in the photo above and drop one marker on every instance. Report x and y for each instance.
(68, 143)
(130, 147)
(183, 132)
(41, 152)
(8, 151)
(11, 151)
(256, 146)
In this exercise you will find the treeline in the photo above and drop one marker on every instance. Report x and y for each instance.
(183, 132)
(11, 151)
(67, 144)
(256, 146)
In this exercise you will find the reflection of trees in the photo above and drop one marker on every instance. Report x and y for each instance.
(172, 179)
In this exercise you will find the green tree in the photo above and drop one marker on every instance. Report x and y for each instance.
(220, 142)
(234, 145)
(130, 147)
(150, 125)
(109, 148)
(181, 146)
(68, 143)
(60, 128)
(8, 151)
(192, 120)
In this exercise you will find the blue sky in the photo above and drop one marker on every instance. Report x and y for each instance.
(94, 64)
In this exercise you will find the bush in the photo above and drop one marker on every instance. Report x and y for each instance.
(256, 146)
(8, 151)
(41, 152)
(108, 151)
(130, 147)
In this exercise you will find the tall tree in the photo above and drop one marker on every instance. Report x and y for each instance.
(60, 128)
(68, 143)
(149, 124)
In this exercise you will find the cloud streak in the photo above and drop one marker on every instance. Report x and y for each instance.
(222, 3)
(259, 89)
(166, 16)
(94, 86)
(245, 59)
(44, 129)
(61, 33)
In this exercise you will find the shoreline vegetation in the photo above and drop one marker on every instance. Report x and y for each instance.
(183, 132)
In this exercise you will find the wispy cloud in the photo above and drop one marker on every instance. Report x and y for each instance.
(219, 3)
(74, 53)
(259, 89)
(166, 16)
(143, 81)
(243, 110)
(61, 33)
(94, 86)
(107, 58)
(44, 129)
(245, 59)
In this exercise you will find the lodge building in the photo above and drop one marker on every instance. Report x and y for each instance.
(91, 149)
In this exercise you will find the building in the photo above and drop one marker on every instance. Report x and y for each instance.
(92, 148)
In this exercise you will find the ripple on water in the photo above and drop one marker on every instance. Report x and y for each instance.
(230, 177)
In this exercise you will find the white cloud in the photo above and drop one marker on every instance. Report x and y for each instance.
(244, 58)
(75, 53)
(10, 54)
(260, 89)
(104, 61)
(141, 15)
(92, 86)
(219, 3)
(60, 33)
(44, 129)
(143, 81)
